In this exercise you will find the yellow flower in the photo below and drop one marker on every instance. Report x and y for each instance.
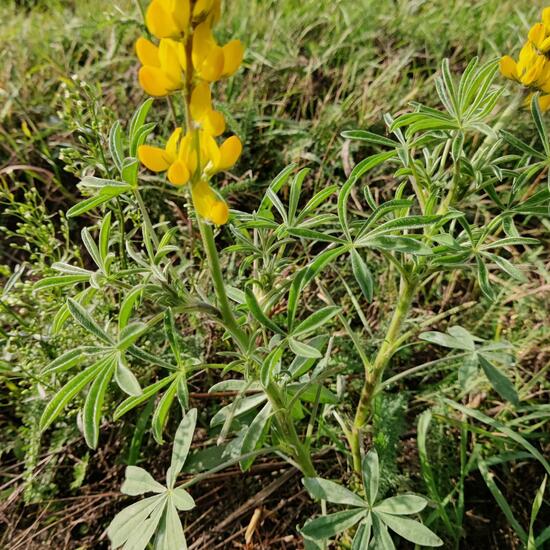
(532, 69)
(539, 37)
(509, 68)
(181, 159)
(168, 18)
(167, 159)
(208, 204)
(203, 114)
(163, 66)
(210, 61)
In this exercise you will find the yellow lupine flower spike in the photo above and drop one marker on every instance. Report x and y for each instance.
(184, 28)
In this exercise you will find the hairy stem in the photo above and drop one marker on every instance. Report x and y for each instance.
(374, 372)
(282, 417)
(219, 286)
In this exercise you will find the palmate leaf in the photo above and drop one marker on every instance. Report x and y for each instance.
(362, 274)
(501, 384)
(254, 435)
(410, 529)
(315, 320)
(128, 520)
(134, 526)
(362, 536)
(170, 534)
(325, 527)
(182, 444)
(371, 475)
(402, 505)
(94, 403)
(139, 481)
(70, 390)
(132, 402)
(324, 489)
(81, 315)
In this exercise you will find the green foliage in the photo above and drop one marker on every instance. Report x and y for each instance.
(373, 515)
(329, 280)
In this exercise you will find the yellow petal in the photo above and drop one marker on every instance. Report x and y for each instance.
(544, 102)
(153, 158)
(202, 41)
(178, 173)
(154, 81)
(210, 152)
(208, 205)
(202, 8)
(536, 34)
(527, 56)
(544, 85)
(219, 213)
(213, 123)
(509, 68)
(201, 101)
(215, 12)
(182, 56)
(212, 66)
(230, 151)
(203, 198)
(170, 63)
(181, 13)
(546, 18)
(187, 153)
(545, 45)
(534, 72)
(159, 21)
(172, 145)
(147, 52)
(233, 54)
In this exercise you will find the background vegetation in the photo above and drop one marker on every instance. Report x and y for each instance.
(313, 68)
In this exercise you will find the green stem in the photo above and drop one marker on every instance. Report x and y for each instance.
(219, 286)
(373, 374)
(283, 418)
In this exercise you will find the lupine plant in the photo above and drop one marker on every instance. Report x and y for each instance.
(266, 292)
